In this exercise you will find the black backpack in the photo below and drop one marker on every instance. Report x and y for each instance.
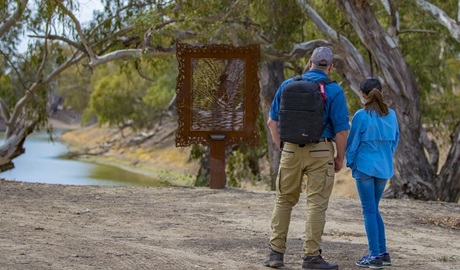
(302, 110)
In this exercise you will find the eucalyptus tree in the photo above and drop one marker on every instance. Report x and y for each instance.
(380, 36)
(368, 36)
(124, 30)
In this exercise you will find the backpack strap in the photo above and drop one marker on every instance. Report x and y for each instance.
(298, 78)
(326, 81)
(322, 83)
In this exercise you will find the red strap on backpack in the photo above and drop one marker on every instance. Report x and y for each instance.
(321, 89)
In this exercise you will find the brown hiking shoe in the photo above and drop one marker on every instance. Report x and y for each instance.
(317, 262)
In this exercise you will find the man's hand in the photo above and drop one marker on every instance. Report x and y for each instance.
(273, 127)
(340, 143)
(338, 164)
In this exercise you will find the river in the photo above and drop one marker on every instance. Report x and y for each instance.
(46, 162)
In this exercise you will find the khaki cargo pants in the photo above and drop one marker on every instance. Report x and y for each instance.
(315, 160)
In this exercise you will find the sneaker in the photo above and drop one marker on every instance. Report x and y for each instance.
(274, 259)
(368, 261)
(386, 259)
(317, 262)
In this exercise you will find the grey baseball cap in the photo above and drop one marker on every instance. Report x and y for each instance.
(322, 56)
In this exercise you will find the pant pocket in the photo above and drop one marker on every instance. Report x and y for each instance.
(329, 182)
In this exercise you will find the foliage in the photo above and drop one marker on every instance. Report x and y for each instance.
(243, 164)
(6, 88)
(238, 169)
(118, 98)
(111, 101)
(280, 22)
(74, 85)
(201, 181)
(161, 87)
(432, 55)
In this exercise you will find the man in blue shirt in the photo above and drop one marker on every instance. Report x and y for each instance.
(316, 160)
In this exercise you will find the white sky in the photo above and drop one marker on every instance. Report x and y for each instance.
(86, 9)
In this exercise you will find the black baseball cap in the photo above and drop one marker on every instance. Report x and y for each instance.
(369, 84)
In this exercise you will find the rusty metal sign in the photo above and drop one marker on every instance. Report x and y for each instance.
(217, 99)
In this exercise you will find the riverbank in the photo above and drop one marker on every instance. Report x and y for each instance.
(155, 154)
(99, 227)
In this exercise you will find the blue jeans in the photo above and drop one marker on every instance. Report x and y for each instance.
(370, 190)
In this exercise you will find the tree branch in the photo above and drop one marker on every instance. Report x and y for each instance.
(298, 51)
(394, 28)
(130, 53)
(352, 65)
(89, 50)
(117, 14)
(432, 149)
(6, 25)
(14, 68)
(66, 40)
(142, 74)
(417, 31)
(19, 106)
(45, 54)
(219, 31)
(4, 109)
(72, 60)
(441, 17)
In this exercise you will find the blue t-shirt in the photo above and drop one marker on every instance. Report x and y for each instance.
(372, 143)
(336, 111)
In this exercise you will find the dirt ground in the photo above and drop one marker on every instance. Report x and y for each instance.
(93, 227)
(98, 227)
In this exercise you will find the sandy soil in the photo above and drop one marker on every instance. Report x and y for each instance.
(88, 227)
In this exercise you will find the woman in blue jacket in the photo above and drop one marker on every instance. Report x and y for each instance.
(369, 153)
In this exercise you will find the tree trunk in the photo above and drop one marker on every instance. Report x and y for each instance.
(271, 76)
(203, 177)
(448, 180)
(414, 177)
(13, 145)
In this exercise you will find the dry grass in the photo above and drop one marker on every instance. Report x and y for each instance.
(446, 222)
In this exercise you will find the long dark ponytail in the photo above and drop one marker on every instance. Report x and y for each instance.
(374, 100)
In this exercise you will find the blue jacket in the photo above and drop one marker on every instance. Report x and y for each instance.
(336, 111)
(372, 143)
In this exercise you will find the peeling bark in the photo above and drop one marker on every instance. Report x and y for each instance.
(448, 180)
(351, 65)
(271, 76)
(432, 149)
(441, 17)
(414, 176)
(6, 25)
(13, 146)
